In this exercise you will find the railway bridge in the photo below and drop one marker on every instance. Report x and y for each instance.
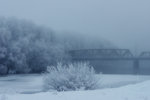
(110, 55)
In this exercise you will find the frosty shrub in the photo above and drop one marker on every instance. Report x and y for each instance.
(78, 76)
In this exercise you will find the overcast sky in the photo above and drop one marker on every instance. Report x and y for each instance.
(126, 23)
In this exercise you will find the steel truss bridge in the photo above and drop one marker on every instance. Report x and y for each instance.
(109, 54)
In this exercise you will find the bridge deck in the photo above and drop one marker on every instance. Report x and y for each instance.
(110, 55)
(107, 54)
(117, 58)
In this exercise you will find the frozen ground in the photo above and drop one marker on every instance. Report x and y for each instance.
(29, 84)
(139, 91)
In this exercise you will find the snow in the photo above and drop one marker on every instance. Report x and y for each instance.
(140, 91)
(113, 81)
(113, 87)
(32, 83)
(21, 83)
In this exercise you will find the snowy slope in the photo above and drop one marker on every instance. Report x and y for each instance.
(140, 91)
(33, 83)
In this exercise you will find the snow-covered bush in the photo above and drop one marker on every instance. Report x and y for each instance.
(77, 76)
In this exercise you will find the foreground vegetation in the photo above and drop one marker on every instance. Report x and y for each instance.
(77, 76)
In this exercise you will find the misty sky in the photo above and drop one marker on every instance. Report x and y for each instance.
(126, 23)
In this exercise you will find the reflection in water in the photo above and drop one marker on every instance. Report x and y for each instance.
(120, 67)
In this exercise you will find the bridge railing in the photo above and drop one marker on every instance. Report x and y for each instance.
(145, 54)
(101, 53)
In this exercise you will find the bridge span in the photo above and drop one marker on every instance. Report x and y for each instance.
(110, 55)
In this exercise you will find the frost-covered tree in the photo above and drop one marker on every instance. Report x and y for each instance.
(26, 47)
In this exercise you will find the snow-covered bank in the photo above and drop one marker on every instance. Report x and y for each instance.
(140, 91)
(20, 83)
(32, 83)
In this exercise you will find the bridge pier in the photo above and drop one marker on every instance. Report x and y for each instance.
(112, 55)
(136, 65)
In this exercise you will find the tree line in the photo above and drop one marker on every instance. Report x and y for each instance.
(29, 48)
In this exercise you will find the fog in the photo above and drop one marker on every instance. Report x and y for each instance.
(48, 47)
(125, 23)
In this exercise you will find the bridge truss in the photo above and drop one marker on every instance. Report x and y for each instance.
(109, 54)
